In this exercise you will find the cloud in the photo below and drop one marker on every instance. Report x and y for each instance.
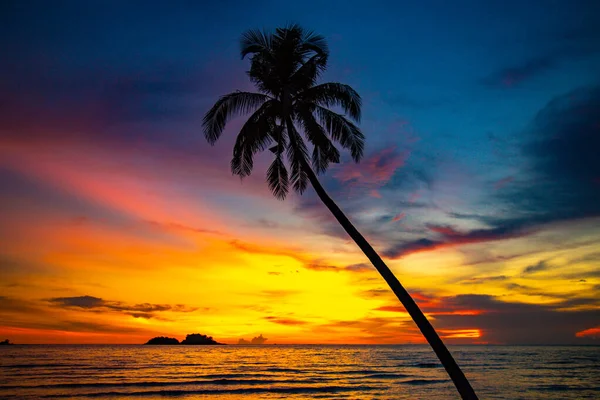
(30, 314)
(373, 171)
(563, 164)
(450, 237)
(485, 279)
(372, 329)
(285, 321)
(567, 46)
(255, 340)
(41, 93)
(436, 305)
(558, 185)
(507, 322)
(81, 301)
(172, 226)
(253, 248)
(593, 333)
(361, 267)
(306, 261)
(398, 217)
(10, 304)
(96, 304)
(278, 294)
(65, 325)
(499, 184)
(93, 103)
(443, 230)
(267, 223)
(540, 266)
(317, 266)
(518, 323)
(25, 190)
(516, 74)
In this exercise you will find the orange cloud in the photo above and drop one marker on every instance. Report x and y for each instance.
(97, 176)
(589, 333)
(398, 217)
(444, 230)
(285, 321)
(375, 170)
(459, 333)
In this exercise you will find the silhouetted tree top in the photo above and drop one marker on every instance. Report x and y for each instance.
(289, 109)
(196, 338)
(159, 340)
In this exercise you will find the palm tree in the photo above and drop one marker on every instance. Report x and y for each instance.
(289, 107)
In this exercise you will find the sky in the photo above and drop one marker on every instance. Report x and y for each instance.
(480, 183)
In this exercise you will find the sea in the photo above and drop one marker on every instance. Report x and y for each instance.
(294, 372)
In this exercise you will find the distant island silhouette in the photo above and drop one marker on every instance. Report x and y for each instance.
(5, 343)
(162, 340)
(191, 339)
(255, 340)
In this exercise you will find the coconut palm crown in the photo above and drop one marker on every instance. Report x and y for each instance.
(289, 109)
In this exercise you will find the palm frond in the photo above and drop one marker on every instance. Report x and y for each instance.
(306, 76)
(226, 107)
(277, 178)
(255, 41)
(290, 32)
(308, 41)
(348, 135)
(255, 136)
(324, 151)
(264, 74)
(280, 137)
(335, 94)
(315, 43)
(298, 158)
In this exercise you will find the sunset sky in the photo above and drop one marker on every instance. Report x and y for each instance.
(480, 184)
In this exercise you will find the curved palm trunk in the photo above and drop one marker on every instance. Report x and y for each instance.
(457, 376)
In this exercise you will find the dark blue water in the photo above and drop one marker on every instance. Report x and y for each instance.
(294, 372)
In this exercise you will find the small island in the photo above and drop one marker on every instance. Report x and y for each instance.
(160, 340)
(191, 339)
(5, 343)
(196, 338)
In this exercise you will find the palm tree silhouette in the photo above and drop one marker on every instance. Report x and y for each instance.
(285, 66)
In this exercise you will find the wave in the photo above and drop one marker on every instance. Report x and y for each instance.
(352, 372)
(167, 383)
(427, 365)
(275, 369)
(385, 376)
(567, 388)
(8, 366)
(281, 390)
(419, 382)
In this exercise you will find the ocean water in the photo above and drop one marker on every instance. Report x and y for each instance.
(294, 372)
